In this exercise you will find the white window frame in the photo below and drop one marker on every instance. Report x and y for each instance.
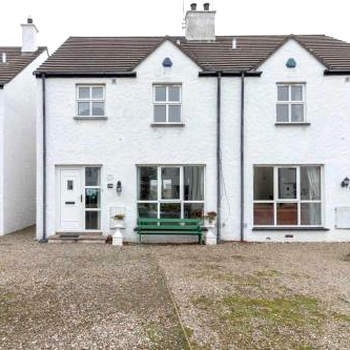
(181, 200)
(276, 200)
(90, 100)
(167, 103)
(289, 102)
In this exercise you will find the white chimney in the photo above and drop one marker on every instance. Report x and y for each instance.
(29, 32)
(200, 25)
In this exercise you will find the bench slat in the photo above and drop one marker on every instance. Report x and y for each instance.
(169, 227)
(171, 233)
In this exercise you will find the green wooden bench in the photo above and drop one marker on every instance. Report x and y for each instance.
(169, 227)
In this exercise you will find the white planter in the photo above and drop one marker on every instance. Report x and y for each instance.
(117, 237)
(210, 235)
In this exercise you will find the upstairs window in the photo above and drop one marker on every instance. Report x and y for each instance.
(167, 104)
(90, 100)
(290, 107)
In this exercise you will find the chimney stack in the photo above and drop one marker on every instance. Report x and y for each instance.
(200, 25)
(29, 33)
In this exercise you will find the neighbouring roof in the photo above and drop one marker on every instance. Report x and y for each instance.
(16, 61)
(103, 55)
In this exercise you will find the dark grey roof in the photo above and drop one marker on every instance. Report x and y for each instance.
(97, 55)
(16, 62)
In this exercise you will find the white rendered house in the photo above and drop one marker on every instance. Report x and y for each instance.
(17, 131)
(252, 127)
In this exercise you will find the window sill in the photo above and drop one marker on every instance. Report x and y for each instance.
(293, 124)
(90, 118)
(293, 228)
(167, 125)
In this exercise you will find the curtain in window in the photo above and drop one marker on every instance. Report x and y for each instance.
(194, 183)
(311, 212)
(313, 175)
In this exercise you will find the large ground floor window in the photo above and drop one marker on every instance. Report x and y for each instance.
(170, 191)
(287, 196)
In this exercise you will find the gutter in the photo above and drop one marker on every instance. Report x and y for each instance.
(242, 158)
(218, 157)
(43, 79)
(336, 72)
(39, 74)
(228, 74)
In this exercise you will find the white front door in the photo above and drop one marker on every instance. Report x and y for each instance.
(71, 206)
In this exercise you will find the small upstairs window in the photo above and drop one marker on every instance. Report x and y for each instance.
(167, 104)
(90, 100)
(290, 106)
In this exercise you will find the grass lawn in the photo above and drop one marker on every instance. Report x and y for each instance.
(233, 296)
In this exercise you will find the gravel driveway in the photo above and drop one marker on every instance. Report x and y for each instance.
(241, 296)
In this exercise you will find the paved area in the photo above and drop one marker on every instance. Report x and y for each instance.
(240, 296)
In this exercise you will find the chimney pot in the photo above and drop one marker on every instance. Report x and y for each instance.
(4, 58)
(193, 6)
(234, 43)
(29, 20)
(206, 6)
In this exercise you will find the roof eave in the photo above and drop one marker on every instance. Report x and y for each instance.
(336, 72)
(39, 74)
(230, 73)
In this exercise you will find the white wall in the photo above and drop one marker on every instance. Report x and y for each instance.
(19, 149)
(126, 138)
(325, 141)
(1, 159)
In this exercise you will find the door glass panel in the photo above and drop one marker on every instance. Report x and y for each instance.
(92, 220)
(193, 183)
(70, 185)
(287, 185)
(170, 210)
(193, 210)
(170, 183)
(282, 113)
(263, 214)
(159, 113)
(148, 184)
(287, 214)
(174, 113)
(147, 210)
(311, 213)
(92, 176)
(263, 183)
(92, 198)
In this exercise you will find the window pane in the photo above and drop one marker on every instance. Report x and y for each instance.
(310, 183)
(84, 92)
(170, 210)
(98, 108)
(297, 113)
(311, 213)
(193, 210)
(174, 93)
(148, 184)
(160, 93)
(283, 93)
(97, 92)
(147, 210)
(263, 183)
(287, 214)
(263, 214)
(83, 108)
(92, 198)
(92, 176)
(174, 113)
(282, 113)
(193, 183)
(92, 220)
(297, 93)
(159, 114)
(170, 183)
(287, 185)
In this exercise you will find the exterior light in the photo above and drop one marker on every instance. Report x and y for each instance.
(345, 182)
(119, 187)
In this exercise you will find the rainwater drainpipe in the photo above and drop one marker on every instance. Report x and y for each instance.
(44, 237)
(242, 158)
(218, 158)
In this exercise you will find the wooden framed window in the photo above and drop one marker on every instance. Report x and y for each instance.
(90, 100)
(290, 106)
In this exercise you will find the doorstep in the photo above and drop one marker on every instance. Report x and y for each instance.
(78, 237)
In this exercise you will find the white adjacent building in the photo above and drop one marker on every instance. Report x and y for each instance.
(255, 128)
(17, 130)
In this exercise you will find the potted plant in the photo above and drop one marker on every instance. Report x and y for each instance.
(119, 218)
(211, 216)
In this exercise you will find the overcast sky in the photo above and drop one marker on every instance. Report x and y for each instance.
(59, 19)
